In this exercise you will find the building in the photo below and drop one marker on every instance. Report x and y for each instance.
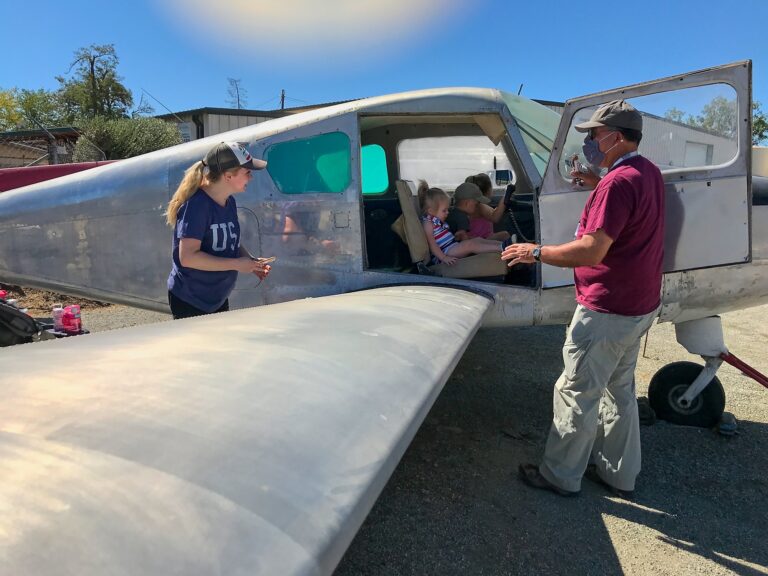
(37, 147)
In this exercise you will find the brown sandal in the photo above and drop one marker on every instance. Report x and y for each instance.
(529, 473)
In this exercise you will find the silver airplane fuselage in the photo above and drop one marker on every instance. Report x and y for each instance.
(101, 233)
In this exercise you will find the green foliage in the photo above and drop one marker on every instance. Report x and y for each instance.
(41, 105)
(759, 125)
(95, 89)
(720, 117)
(9, 110)
(123, 138)
(20, 108)
(676, 115)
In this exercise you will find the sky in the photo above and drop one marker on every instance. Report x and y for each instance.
(179, 54)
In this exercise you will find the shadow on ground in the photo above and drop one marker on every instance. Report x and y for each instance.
(455, 506)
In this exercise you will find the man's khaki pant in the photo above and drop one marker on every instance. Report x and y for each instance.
(595, 407)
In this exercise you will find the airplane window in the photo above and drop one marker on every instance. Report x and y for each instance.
(317, 164)
(446, 161)
(687, 128)
(373, 166)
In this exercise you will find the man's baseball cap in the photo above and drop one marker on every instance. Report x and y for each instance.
(614, 114)
(227, 155)
(469, 191)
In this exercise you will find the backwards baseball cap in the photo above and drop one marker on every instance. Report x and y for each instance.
(614, 114)
(228, 155)
(469, 191)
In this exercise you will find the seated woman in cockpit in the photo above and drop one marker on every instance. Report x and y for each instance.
(472, 215)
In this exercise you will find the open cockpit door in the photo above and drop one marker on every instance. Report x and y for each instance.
(697, 129)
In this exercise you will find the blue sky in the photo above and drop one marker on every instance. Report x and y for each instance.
(182, 51)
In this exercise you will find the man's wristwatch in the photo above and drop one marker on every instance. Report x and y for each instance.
(536, 253)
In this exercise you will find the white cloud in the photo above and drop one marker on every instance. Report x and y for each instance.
(312, 29)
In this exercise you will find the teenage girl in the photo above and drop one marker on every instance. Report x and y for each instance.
(207, 254)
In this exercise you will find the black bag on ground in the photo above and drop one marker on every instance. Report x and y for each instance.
(16, 327)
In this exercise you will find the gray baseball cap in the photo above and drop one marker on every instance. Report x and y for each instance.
(228, 155)
(469, 191)
(614, 114)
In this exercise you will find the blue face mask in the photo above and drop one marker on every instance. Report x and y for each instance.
(592, 151)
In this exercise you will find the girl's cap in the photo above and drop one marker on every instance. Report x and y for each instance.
(228, 155)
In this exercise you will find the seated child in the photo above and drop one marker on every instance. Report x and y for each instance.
(472, 217)
(443, 245)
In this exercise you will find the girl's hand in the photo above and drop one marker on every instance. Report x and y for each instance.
(246, 265)
(263, 271)
(449, 260)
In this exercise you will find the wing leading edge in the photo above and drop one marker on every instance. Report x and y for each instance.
(251, 442)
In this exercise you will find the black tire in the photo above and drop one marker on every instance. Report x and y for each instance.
(671, 382)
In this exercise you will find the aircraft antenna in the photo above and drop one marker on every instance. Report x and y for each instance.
(163, 105)
(519, 90)
(282, 99)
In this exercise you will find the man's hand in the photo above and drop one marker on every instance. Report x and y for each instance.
(519, 254)
(586, 179)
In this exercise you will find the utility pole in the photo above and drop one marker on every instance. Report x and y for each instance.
(282, 99)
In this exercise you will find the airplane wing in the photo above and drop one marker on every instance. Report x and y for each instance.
(250, 442)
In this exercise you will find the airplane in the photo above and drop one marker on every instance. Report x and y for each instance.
(259, 439)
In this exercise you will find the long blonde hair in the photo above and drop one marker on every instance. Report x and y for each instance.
(194, 177)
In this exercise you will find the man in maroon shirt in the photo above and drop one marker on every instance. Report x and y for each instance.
(617, 260)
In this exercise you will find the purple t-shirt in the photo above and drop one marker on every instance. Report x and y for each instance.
(628, 204)
(218, 230)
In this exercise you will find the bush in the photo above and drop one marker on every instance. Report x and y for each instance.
(123, 138)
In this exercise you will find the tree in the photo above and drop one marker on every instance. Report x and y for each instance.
(238, 96)
(719, 116)
(676, 115)
(41, 105)
(95, 89)
(9, 110)
(123, 138)
(759, 124)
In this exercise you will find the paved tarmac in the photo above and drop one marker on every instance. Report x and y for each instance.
(454, 505)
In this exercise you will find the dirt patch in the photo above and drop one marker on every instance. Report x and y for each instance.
(40, 302)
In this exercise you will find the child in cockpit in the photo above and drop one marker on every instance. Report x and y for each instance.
(442, 244)
(472, 215)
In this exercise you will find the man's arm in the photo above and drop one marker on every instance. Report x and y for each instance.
(588, 250)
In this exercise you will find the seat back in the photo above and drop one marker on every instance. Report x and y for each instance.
(408, 226)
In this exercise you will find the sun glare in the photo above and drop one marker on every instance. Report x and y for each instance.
(310, 29)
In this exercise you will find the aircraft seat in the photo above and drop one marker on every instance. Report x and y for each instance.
(409, 228)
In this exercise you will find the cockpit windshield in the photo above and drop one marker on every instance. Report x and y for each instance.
(538, 125)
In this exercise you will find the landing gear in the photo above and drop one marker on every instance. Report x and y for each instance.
(666, 394)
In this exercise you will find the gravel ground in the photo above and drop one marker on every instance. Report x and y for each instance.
(455, 506)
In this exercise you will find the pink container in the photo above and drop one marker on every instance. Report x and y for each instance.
(56, 314)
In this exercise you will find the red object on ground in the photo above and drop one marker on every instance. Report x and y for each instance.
(11, 178)
(70, 320)
(745, 368)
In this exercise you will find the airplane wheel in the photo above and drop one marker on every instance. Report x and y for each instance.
(671, 382)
